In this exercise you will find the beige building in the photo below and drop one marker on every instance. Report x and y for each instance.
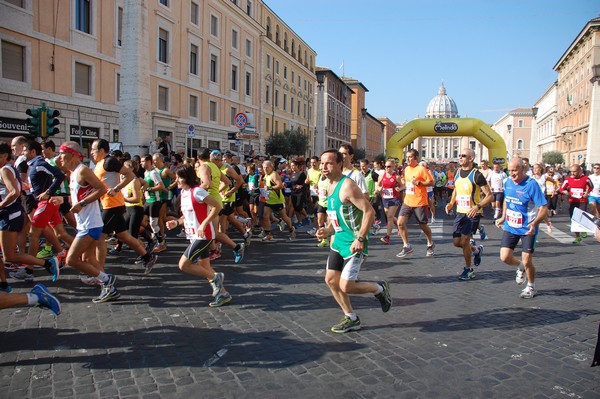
(374, 133)
(130, 71)
(287, 98)
(544, 125)
(515, 129)
(578, 97)
(389, 129)
(358, 127)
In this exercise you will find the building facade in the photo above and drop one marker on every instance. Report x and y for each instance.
(358, 127)
(515, 128)
(578, 97)
(544, 125)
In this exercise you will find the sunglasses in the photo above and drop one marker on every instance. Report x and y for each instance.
(463, 156)
(389, 166)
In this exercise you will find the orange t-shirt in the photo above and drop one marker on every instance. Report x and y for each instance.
(416, 196)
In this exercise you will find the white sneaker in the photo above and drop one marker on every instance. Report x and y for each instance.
(528, 293)
(520, 276)
(21, 274)
(89, 280)
(312, 232)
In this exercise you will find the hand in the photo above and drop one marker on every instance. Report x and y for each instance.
(111, 192)
(531, 229)
(57, 200)
(76, 208)
(449, 208)
(499, 221)
(320, 234)
(357, 246)
(43, 196)
(472, 212)
(171, 224)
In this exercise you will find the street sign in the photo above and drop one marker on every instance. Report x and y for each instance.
(232, 136)
(191, 131)
(240, 120)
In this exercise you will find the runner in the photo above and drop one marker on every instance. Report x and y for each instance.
(389, 186)
(577, 187)
(273, 192)
(594, 197)
(540, 177)
(416, 179)
(466, 196)
(39, 296)
(496, 180)
(524, 209)
(350, 218)
(199, 210)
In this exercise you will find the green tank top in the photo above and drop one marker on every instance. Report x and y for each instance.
(215, 176)
(167, 182)
(275, 196)
(230, 198)
(346, 221)
(151, 197)
(370, 184)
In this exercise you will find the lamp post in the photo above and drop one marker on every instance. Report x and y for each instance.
(363, 140)
(510, 141)
(321, 138)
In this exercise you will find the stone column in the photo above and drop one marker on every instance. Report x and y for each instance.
(592, 153)
(135, 106)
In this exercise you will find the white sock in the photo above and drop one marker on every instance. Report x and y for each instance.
(352, 316)
(102, 277)
(32, 299)
(379, 289)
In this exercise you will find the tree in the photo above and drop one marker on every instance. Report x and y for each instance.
(553, 157)
(287, 142)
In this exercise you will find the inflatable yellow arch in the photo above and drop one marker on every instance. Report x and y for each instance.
(451, 127)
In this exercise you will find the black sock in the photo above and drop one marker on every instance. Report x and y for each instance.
(147, 257)
(237, 247)
(4, 285)
(47, 266)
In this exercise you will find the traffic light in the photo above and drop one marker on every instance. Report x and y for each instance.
(34, 123)
(52, 122)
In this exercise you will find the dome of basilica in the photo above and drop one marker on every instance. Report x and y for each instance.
(442, 106)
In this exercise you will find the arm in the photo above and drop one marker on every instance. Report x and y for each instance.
(10, 181)
(57, 176)
(450, 203)
(87, 176)
(239, 181)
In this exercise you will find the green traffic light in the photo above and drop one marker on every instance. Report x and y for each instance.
(33, 123)
(51, 122)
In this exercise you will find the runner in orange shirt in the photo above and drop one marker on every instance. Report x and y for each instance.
(416, 180)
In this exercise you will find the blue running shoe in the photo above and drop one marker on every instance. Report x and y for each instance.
(54, 268)
(477, 255)
(239, 254)
(482, 233)
(45, 299)
(8, 289)
(467, 274)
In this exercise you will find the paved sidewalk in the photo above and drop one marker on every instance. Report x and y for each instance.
(443, 337)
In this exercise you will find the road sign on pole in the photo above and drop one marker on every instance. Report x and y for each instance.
(191, 132)
(240, 120)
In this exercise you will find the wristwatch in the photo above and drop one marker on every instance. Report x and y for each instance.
(362, 239)
(83, 203)
(478, 206)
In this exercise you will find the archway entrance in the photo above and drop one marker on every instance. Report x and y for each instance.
(448, 128)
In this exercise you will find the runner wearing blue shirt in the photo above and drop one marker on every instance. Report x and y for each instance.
(524, 208)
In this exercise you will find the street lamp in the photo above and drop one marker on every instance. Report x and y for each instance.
(534, 111)
(595, 74)
(510, 141)
(364, 129)
(320, 114)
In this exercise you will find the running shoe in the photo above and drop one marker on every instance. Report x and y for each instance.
(217, 283)
(62, 258)
(45, 299)
(577, 240)
(433, 221)
(90, 280)
(45, 253)
(467, 274)
(220, 300)
(54, 268)
(477, 255)
(583, 234)
(385, 240)
(248, 238)
(262, 234)
(139, 260)
(239, 254)
(405, 251)
(482, 233)
(549, 228)
(520, 276)
(293, 234)
(159, 248)
(7, 289)
(346, 324)
(323, 243)
(21, 274)
(384, 297)
(430, 249)
(114, 252)
(528, 293)
(109, 291)
(214, 254)
(111, 240)
(312, 232)
(150, 264)
(267, 238)
(282, 225)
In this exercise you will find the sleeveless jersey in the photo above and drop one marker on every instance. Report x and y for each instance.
(110, 178)
(467, 192)
(274, 196)
(370, 183)
(152, 177)
(450, 181)
(165, 196)
(387, 186)
(322, 188)
(195, 211)
(4, 190)
(595, 179)
(128, 192)
(215, 181)
(89, 217)
(231, 198)
(346, 221)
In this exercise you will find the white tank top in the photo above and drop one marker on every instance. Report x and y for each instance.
(3, 190)
(89, 217)
(194, 212)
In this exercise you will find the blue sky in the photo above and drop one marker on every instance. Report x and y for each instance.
(493, 56)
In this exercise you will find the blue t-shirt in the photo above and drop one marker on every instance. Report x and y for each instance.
(522, 203)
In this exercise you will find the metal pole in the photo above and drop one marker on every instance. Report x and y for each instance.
(79, 129)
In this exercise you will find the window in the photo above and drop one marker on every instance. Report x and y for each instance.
(248, 84)
(163, 42)
(83, 79)
(248, 48)
(212, 111)
(213, 67)
(234, 77)
(163, 98)
(234, 39)
(519, 144)
(164, 3)
(82, 16)
(277, 98)
(292, 105)
(232, 115)
(249, 7)
(285, 71)
(284, 102)
(214, 25)
(520, 122)
(194, 11)
(18, 3)
(118, 88)
(194, 59)
(193, 106)
(13, 61)
(268, 61)
(119, 26)
(277, 67)
(268, 94)
(234, 2)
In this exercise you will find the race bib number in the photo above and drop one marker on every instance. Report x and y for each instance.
(450, 183)
(313, 192)
(287, 190)
(514, 218)
(463, 203)
(596, 191)
(251, 186)
(387, 193)
(577, 192)
(410, 188)
(332, 215)
(549, 188)
(264, 193)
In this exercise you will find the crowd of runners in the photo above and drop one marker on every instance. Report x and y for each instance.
(123, 202)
